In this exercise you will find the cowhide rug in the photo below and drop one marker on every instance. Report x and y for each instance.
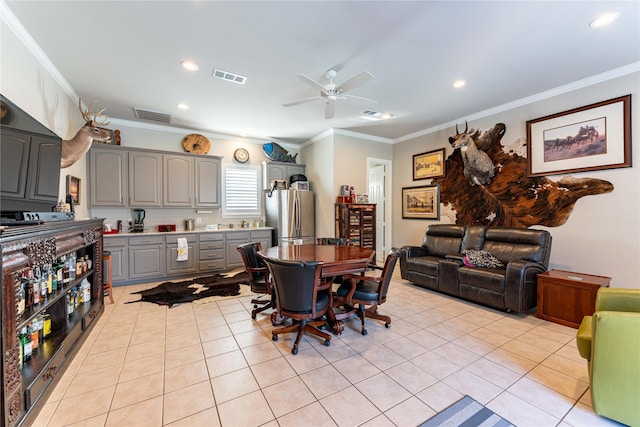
(176, 293)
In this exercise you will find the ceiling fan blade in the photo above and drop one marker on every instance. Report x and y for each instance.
(308, 80)
(301, 101)
(329, 110)
(361, 98)
(356, 81)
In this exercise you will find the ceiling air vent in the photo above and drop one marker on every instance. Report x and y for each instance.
(230, 77)
(154, 116)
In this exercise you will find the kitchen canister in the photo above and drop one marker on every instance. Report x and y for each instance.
(190, 224)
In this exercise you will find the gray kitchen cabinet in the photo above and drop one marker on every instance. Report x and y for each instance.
(210, 252)
(107, 177)
(30, 168)
(262, 236)
(207, 182)
(179, 267)
(146, 257)
(118, 246)
(232, 257)
(145, 179)
(280, 171)
(178, 181)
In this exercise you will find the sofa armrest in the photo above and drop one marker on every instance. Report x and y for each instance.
(584, 337)
(617, 299)
(520, 293)
(457, 258)
(412, 251)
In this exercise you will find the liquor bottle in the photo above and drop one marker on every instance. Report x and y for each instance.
(46, 275)
(20, 306)
(79, 297)
(69, 304)
(28, 292)
(46, 326)
(35, 285)
(89, 262)
(25, 342)
(65, 270)
(72, 266)
(33, 330)
(60, 273)
(86, 289)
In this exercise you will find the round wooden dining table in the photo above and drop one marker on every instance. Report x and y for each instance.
(337, 261)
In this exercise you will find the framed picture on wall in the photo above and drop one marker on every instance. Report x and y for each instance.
(73, 188)
(421, 202)
(429, 165)
(589, 138)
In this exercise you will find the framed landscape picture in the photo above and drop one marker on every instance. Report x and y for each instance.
(421, 202)
(589, 138)
(428, 165)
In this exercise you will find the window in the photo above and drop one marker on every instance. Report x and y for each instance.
(241, 191)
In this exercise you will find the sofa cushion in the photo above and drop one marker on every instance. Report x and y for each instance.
(424, 264)
(441, 240)
(486, 278)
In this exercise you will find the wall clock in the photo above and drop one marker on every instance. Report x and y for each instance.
(241, 155)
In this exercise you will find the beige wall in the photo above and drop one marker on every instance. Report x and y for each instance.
(602, 234)
(334, 160)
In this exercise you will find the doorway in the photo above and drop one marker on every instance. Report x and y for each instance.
(379, 185)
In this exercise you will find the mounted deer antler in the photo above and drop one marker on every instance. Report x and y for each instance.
(75, 148)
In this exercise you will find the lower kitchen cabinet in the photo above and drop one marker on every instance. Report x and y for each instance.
(232, 257)
(138, 258)
(119, 248)
(187, 266)
(146, 257)
(211, 252)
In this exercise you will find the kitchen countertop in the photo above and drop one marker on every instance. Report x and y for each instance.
(197, 231)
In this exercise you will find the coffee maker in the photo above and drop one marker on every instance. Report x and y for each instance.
(138, 221)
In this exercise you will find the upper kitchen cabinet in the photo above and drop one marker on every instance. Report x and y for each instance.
(145, 179)
(279, 171)
(178, 181)
(207, 182)
(30, 159)
(107, 177)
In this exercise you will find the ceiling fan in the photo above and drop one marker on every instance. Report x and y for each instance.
(331, 92)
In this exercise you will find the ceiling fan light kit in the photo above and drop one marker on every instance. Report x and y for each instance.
(331, 92)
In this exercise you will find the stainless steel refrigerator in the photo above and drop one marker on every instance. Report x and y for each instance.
(292, 215)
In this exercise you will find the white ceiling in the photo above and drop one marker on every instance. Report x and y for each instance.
(126, 54)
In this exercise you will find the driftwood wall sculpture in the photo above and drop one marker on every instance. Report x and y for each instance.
(512, 198)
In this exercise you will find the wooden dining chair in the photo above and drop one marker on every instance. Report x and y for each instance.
(300, 295)
(363, 291)
(259, 279)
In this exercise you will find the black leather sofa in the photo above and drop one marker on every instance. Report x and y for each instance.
(439, 264)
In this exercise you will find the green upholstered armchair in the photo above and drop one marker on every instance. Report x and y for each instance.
(610, 341)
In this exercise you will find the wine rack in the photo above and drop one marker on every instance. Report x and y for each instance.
(357, 222)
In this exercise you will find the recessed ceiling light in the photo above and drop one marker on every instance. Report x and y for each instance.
(182, 106)
(189, 65)
(604, 19)
(459, 83)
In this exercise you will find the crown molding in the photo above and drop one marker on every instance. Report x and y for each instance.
(560, 90)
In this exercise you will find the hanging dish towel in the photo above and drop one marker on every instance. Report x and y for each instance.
(183, 249)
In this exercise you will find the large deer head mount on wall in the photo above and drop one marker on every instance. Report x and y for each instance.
(74, 149)
(478, 167)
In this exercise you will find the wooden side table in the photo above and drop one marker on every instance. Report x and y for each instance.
(565, 297)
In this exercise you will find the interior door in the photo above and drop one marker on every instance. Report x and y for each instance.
(377, 176)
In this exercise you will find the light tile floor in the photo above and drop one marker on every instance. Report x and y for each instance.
(211, 365)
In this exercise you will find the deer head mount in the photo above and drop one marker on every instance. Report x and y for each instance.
(75, 148)
(478, 166)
